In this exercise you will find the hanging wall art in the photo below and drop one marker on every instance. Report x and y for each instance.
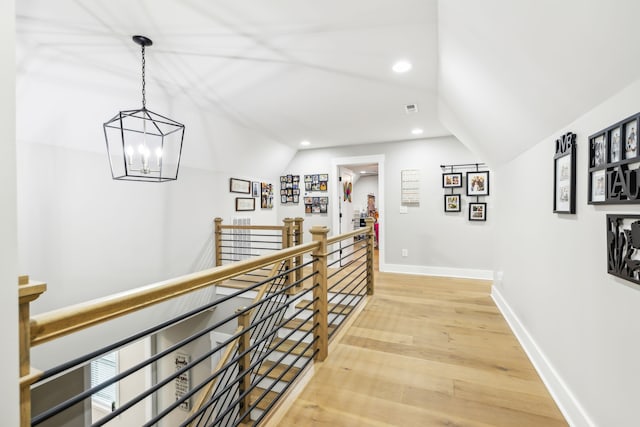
(564, 174)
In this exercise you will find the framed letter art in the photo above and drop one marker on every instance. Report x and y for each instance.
(564, 174)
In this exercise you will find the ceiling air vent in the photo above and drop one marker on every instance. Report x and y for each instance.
(411, 108)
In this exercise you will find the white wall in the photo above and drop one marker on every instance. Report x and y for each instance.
(584, 322)
(437, 243)
(9, 406)
(87, 235)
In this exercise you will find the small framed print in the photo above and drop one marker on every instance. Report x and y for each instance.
(564, 173)
(245, 204)
(452, 180)
(477, 211)
(255, 192)
(478, 183)
(452, 202)
(598, 152)
(239, 186)
(598, 186)
(630, 140)
(615, 146)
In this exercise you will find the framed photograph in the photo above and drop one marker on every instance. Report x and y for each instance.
(615, 146)
(478, 183)
(477, 211)
(452, 180)
(598, 186)
(239, 186)
(630, 140)
(452, 202)
(255, 192)
(564, 173)
(597, 155)
(245, 204)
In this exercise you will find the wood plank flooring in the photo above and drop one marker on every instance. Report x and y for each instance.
(426, 351)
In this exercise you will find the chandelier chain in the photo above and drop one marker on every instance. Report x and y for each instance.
(144, 100)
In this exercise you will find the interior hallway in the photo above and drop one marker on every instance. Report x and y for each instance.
(426, 351)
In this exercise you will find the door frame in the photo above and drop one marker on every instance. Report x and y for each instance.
(335, 194)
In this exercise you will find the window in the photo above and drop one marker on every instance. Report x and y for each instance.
(103, 369)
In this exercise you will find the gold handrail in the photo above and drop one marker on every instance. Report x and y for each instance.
(58, 323)
(343, 236)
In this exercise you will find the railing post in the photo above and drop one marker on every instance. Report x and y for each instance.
(370, 247)
(297, 240)
(27, 292)
(287, 242)
(244, 362)
(217, 240)
(320, 316)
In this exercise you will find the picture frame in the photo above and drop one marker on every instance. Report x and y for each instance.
(452, 203)
(564, 174)
(631, 139)
(255, 189)
(597, 186)
(477, 211)
(615, 145)
(239, 186)
(245, 204)
(478, 183)
(452, 180)
(598, 150)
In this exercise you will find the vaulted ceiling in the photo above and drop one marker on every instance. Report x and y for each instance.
(500, 75)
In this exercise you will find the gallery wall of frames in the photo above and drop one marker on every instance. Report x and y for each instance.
(251, 190)
(475, 179)
(614, 179)
(315, 186)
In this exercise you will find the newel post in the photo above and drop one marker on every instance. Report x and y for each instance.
(370, 245)
(27, 292)
(217, 240)
(320, 316)
(244, 343)
(297, 240)
(287, 242)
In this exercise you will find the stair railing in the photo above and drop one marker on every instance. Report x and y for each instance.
(42, 328)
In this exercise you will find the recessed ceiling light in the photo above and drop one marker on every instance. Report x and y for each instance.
(417, 131)
(401, 66)
(363, 171)
(305, 143)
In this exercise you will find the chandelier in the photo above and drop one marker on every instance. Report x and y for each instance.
(143, 145)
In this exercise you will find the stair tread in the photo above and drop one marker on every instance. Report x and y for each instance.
(265, 401)
(331, 307)
(291, 371)
(290, 346)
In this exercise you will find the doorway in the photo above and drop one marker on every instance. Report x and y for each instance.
(365, 168)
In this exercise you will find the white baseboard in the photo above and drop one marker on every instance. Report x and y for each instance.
(573, 412)
(424, 270)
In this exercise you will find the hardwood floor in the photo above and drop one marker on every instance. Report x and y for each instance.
(426, 351)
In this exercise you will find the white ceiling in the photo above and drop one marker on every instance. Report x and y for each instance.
(501, 75)
(291, 69)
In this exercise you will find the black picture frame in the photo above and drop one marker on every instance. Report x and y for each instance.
(452, 180)
(564, 175)
(239, 186)
(614, 164)
(452, 202)
(478, 183)
(623, 233)
(477, 211)
(244, 204)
